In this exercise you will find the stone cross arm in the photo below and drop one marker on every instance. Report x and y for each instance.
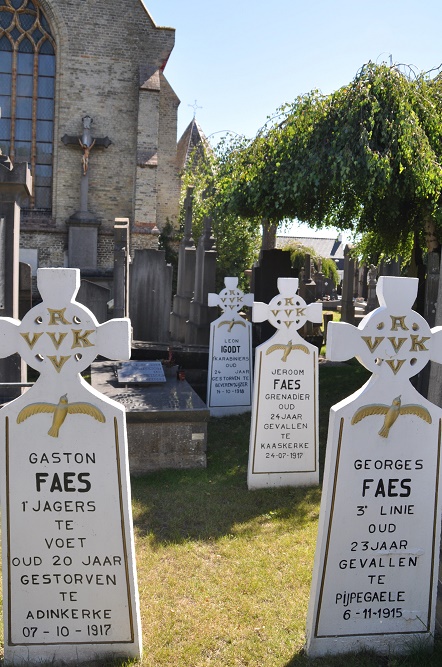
(393, 341)
(231, 298)
(70, 139)
(287, 310)
(312, 312)
(60, 335)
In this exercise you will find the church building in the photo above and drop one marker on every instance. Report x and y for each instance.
(85, 102)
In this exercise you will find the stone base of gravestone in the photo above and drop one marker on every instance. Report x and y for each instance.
(82, 244)
(166, 423)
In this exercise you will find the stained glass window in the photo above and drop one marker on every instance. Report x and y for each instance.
(27, 91)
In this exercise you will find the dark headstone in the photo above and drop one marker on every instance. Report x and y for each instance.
(186, 276)
(25, 289)
(96, 298)
(150, 296)
(273, 264)
(121, 267)
(200, 314)
(347, 304)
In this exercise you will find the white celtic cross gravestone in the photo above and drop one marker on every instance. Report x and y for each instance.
(229, 382)
(284, 430)
(69, 579)
(375, 574)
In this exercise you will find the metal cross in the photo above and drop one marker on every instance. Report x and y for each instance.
(194, 106)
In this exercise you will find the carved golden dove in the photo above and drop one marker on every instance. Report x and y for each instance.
(231, 323)
(287, 349)
(60, 411)
(391, 413)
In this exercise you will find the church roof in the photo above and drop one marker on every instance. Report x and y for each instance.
(332, 247)
(192, 137)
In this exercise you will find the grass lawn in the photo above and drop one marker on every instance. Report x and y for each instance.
(224, 574)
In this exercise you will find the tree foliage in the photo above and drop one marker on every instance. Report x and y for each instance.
(298, 252)
(237, 239)
(367, 158)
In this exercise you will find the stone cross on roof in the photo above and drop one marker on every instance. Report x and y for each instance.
(394, 342)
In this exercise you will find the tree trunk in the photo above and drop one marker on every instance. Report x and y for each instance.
(268, 234)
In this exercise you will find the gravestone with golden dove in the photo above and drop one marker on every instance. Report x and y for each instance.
(69, 578)
(229, 381)
(377, 555)
(284, 430)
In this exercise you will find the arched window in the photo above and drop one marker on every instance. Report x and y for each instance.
(27, 82)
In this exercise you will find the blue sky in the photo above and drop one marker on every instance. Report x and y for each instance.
(241, 59)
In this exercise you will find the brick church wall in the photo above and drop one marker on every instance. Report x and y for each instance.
(100, 48)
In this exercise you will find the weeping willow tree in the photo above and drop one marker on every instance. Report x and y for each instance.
(237, 238)
(365, 159)
(298, 253)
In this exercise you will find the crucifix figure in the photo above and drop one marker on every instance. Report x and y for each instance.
(86, 143)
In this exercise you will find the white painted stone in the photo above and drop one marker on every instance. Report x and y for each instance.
(229, 381)
(284, 429)
(69, 579)
(375, 573)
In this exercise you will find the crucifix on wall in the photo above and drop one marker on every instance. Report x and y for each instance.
(83, 225)
(86, 142)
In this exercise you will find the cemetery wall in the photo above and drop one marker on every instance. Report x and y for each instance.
(100, 51)
(51, 246)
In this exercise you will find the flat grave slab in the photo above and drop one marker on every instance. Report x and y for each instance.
(166, 423)
(141, 372)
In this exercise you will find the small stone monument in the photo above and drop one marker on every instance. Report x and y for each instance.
(69, 579)
(185, 277)
(83, 224)
(375, 574)
(372, 299)
(284, 430)
(229, 381)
